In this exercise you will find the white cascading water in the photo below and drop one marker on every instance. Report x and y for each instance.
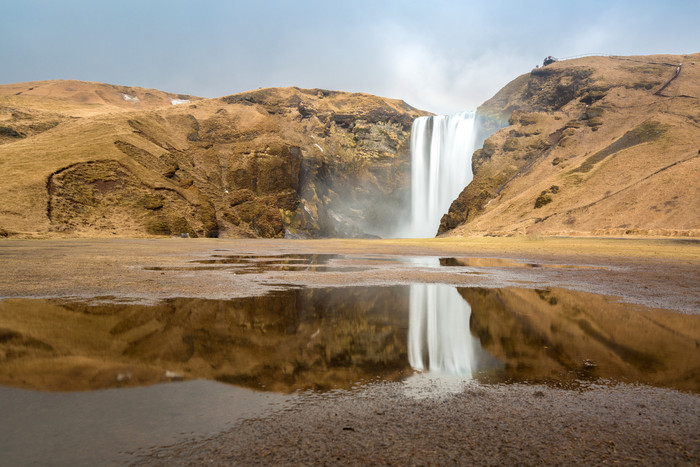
(441, 154)
(439, 339)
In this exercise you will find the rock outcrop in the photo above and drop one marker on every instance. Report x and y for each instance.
(89, 159)
(593, 146)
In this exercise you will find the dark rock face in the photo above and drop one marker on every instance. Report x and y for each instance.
(9, 132)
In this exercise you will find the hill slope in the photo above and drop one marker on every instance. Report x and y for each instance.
(593, 146)
(90, 159)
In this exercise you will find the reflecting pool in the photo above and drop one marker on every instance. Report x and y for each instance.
(338, 337)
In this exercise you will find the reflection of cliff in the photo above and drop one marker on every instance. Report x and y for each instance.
(316, 338)
(565, 335)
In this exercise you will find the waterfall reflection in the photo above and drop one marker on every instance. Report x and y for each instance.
(439, 339)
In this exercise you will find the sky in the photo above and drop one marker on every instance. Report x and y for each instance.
(441, 56)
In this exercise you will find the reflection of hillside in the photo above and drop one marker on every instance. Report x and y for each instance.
(566, 335)
(312, 338)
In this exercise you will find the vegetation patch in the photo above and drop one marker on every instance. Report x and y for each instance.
(592, 97)
(158, 227)
(511, 144)
(645, 84)
(595, 123)
(594, 118)
(545, 197)
(528, 119)
(180, 227)
(646, 132)
(9, 132)
(152, 202)
(489, 148)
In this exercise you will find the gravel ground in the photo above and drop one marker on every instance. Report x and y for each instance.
(481, 425)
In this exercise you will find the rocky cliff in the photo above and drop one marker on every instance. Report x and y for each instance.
(90, 159)
(593, 146)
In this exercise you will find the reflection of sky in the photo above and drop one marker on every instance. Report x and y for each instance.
(439, 339)
(445, 57)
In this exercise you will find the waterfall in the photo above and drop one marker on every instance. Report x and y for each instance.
(441, 153)
(439, 338)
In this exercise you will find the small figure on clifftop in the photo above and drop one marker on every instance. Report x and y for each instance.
(549, 60)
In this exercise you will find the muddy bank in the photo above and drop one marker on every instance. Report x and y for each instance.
(394, 424)
(653, 273)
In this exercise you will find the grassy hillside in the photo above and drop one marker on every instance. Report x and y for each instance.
(593, 146)
(91, 159)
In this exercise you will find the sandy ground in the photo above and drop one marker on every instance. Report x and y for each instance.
(397, 423)
(654, 273)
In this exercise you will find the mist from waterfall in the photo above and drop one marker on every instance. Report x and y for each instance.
(441, 154)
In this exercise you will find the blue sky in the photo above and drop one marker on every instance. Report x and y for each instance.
(443, 56)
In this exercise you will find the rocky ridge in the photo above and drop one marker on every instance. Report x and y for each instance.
(91, 159)
(593, 146)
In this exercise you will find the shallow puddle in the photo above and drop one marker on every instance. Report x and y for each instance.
(258, 264)
(110, 427)
(472, 262)
(328, 338)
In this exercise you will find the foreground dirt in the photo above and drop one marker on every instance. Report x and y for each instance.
(482, 425)
(412, 422)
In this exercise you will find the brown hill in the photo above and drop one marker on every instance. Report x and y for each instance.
(593, 146)
(91, 159)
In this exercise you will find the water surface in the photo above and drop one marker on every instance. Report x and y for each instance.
(328, 338)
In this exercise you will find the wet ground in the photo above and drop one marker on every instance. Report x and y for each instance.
(199, 337)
